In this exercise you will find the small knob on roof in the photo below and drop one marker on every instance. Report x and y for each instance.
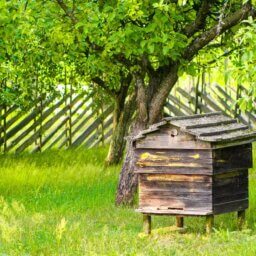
(174, 132)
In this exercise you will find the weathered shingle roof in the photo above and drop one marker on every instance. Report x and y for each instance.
(209, 127)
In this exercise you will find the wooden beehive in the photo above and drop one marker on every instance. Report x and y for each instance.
(194, 165)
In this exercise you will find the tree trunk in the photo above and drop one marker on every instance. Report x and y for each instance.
(150, 101)
(121, 121)
(128, 179)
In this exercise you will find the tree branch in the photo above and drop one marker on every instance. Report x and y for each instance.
(69, 12)
(207, 36)
(225, 54)
(102, 84)
(199, 22)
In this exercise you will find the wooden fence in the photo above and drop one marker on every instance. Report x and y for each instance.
(73, 121)
(215, 98)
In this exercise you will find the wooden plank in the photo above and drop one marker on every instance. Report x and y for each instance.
(83, 122)
(229, 137)
(94, 139)
(56, 140)
(211, 102)
(210, 131)
(176, 101)
(24, 122)
(45, 127)
(162, 140)
(35, 124)
(178, 177)
(154, 211)
(8, 111)
(209, 124)
(174, 186)
(169, 170)
(173, 109)
(174, 158)
(52, 133)
(194, 118)
(231, 158)
(174, 203)
(232, 206)
(91, 128)
(231, 197)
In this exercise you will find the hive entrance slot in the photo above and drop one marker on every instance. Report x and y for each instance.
(169, 208)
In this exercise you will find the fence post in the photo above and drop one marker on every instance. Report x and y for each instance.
(237, 110)
(102, 125)
(197, 95)
(41, 117)
(70, 113)
(68, 104)
(5, 121)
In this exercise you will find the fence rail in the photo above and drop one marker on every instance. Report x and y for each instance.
(73, 121)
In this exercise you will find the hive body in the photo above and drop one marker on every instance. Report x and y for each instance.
(194, 166)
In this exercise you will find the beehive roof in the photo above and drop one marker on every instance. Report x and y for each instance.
(209, 127)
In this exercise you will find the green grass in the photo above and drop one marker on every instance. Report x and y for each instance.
(62, 203)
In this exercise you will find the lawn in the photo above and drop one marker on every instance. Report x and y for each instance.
(62, 203)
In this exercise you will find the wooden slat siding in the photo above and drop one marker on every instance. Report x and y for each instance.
(19, 113)
(51, 134)
(154, 211)
(251, 115)
(202, 121)
(191, 100)
(75, 121)
(95, 139)
(46, 126)
(81, 125)
(211, 102)
(22, 123)
(176, 170)
(107, 137)
(231, 158)
(209, 131)
(186, 95)
(9, 110)
(163, 140)
(162, 191)
(34, 125)
(174, 186)
(83, 122)
(93, 126)
(174, 110)
(176, 101)
(191, 118)
(4, 131)
(232, 206)
(183, 159)
(226, 106)
(230, 197)
(82, 115)
(55, 142)
(81, 105)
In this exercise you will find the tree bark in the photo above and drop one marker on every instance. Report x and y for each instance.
(149, 111)
(122, 115)
(121, 121)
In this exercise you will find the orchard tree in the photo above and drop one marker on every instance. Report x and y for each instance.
(154, 41)
(146, 44)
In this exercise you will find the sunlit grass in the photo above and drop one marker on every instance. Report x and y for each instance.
(62, 203)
